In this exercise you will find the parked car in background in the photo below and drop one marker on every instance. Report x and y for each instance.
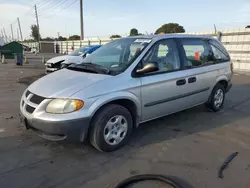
(33, 50)
(26, 48)
(124, 83)
(74, 57)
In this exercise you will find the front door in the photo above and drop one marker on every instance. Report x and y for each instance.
(162, 91)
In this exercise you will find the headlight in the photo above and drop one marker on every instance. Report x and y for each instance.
(63, 106)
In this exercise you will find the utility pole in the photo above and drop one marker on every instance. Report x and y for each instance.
(12, 35)
(2, 35)
(215, 29)
(38, 29)
(21, 35)
(81, 20)
(5, 36)
(17, 32)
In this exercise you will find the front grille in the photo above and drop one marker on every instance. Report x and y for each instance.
(30, 109)
(36, 99)
(57, 65)
(27, 93)
(49, 65)
(30, 101)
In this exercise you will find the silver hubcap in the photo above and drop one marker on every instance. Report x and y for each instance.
(218, 98)
(115, 130)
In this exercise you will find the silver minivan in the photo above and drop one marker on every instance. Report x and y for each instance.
(124, 83)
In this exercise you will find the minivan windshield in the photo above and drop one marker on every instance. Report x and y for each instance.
(117, 55)
(78, 51)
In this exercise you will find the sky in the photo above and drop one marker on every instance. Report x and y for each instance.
(103, 18)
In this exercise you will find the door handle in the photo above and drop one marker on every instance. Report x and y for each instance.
(192, 80)
(181, 82)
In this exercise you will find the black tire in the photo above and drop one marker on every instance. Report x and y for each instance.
(174, 181)
(96, 134)
(211, 101)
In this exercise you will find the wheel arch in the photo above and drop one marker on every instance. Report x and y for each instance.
(125, 99)
(223, 80)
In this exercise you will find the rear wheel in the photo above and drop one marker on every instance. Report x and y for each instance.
(111, 128)
(217, 97)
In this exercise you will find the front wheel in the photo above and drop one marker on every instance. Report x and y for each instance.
(217, 98)
(111, 128)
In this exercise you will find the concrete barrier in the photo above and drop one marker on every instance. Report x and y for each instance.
(236, 41)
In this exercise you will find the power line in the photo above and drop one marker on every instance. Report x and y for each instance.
(42, 1)
(69, 5)
(55, 4)
(48, 3)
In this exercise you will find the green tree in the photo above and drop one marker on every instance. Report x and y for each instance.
(170, 28)
(248, 26)
(74, 37)
(60, 38)
(29, 40)
(115, 36)
(35, 33)
(48, 39)
(133, 32)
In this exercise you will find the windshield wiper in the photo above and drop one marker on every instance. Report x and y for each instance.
(89, 67)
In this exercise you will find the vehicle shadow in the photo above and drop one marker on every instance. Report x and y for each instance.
(194, 120)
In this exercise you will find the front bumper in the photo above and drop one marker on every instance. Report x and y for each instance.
(229, 86)
(73, 130)
(49, 68)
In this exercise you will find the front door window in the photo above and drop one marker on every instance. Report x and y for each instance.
(165, 54)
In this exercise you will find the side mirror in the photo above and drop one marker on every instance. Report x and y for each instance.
(149, 67)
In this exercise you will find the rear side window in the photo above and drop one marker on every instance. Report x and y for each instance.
(219, 46)
(197, 52)
(218, 55)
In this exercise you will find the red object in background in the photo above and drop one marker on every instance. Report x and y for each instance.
(197, 55)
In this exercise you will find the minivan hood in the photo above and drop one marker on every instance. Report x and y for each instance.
(64, 83)
(66, 59)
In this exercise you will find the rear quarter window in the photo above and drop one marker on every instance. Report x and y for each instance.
(220, 46)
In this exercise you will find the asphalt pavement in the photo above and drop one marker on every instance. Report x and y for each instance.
(191, 144)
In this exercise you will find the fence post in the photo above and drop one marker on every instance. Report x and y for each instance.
(61, 48)
(67, 47)
(100, 42)
(219, 35)
(89, 43)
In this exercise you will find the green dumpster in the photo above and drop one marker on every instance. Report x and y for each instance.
(9, 50)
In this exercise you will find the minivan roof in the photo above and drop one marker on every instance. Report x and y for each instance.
(170, 36)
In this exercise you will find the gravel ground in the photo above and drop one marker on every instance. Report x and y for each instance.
(191, 145)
